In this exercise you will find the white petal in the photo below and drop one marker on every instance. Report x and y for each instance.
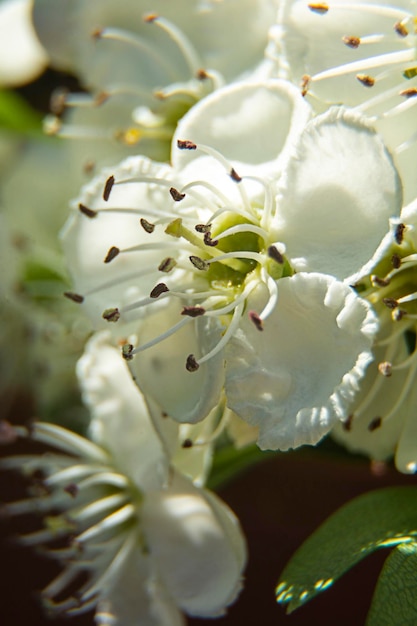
(135, 600)
(294, 379)
(197, 547)
(406, 453)
(120, 420)
(250, 123)
(160, 370)
(22, 58)
(337, 195)
(86, 241)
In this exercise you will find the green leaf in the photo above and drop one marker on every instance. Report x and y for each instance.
(379, 519)
(17, 116)
(395, 598)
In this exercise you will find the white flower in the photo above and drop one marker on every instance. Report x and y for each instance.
(195, 250)
(151, 542)
(361, 54)
(382, 421)
(155, 59)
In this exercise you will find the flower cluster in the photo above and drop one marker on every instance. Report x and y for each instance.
(248, 270)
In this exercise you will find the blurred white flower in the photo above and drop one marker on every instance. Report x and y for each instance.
(199, 257)
(382, 421)
(151, 543)
(360, 54)
(150, 61)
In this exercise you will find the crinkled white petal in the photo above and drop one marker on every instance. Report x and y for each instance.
(295, 379)
(253, 124)
(337, 195)
(22, 58)
(86, 241)
(120, 420)
(197, 547)
(160, 370)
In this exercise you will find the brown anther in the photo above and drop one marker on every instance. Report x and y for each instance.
(112, 254)
(147, 226)
(191, 364)
(58, 100)
(101, 97)
(201, 74)
(108, 187)
(187, 443)
(235, 176)
(366, 80)
(385, 368)
(97, 33)
(275, 254)
(400, 29)
(318, 7)
(150, 17)
(256, 320)
(399, 233)
(111, 315)
(305, 84)
(347, 424)
(411, 92)
(209, 241)
(398, 314)
(193, 311)
(8, 433)
(396, 261)
(127, 350)
(75, 297)
(86, 211)
(71, 490)
(203, 228)
(186, 145)
(200, 264)
(176, 195)
(375, 424)
(167, 264)
(158, 290)
(351, 41)
(89, 167)
(379, 282)
(391, 303)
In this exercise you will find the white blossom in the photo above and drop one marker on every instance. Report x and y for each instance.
(360, 54)
(146, 63)
(382, 421)
(152, 544)
(175, 255)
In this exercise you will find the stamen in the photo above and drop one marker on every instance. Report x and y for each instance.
(185, 46)
(318, 7)
(230, 331)
(200, 264)
(176, 195)
(111, 315)
(193, 311)
(159, 338)
(75, 297)
(132, 39)
(399, 233)
(158, 290)
(112, 254)
(167, 265)
(256, 320)
(117, 518)
(147, 226)
(108, 187)
(351, 41)
(375, 424)
(191, 364)
(385, 368)
(366, 80)
(86, 211)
